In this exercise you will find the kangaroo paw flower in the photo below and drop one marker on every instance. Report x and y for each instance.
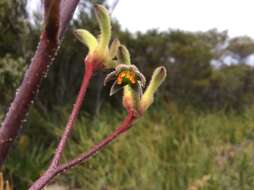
(126, 75)
(147, 99)
(99, 51)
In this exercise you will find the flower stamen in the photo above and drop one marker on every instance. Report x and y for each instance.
(127, 76)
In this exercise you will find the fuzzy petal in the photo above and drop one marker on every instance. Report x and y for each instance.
(115, 88)
(86, 38)
(138, 89)
(121, 67)
(111, 76)
(123, 55)
(158, 77)
(142, 78)
(103, 19)
(134, 68)
(114, 48)
(111, 64)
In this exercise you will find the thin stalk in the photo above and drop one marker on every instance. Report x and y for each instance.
(50, 174)
(124, 126)
(76, 108)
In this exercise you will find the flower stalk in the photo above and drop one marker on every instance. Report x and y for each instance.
(98, 58)
(126, 76)
(60, 168)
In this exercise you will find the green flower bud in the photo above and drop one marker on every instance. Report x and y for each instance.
(114, 48)
(130, 99)
(123, 55)
(103, 19)
(99, 51)
(147, 99)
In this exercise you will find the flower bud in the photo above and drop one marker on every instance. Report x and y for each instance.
(98, 47)
(147, 99)
(123, 55)
(103, 19)
(130, 99)
(114, 48)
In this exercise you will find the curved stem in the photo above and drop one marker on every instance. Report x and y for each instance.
(124, 126)
(52, 172)
(43, 180)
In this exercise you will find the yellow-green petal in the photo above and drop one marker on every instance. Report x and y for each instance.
(86, 38)
(114, 48)
(103, 19)
(123, 55)
(158, 77)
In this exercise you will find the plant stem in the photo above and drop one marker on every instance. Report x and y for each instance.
(52, 172)
(76, 108)
(124, 126)
(40, 62)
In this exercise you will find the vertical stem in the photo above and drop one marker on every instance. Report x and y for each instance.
(76, 108)
(44, 55)
(24, 95)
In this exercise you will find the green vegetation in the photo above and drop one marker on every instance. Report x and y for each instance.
(167, 149)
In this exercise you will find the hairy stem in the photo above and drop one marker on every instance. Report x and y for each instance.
(76, 108)
(124, 126)
(51, 173)
(57, 20)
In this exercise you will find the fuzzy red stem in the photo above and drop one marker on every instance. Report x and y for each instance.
(50, 174)
(49, 42)
(76, 108)
(124, 126)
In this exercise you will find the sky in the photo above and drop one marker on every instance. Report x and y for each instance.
(191, 15)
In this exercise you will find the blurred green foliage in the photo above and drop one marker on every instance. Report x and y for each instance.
(169, 148)
(11, 70)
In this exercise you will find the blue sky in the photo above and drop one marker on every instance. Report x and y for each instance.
(192, 15)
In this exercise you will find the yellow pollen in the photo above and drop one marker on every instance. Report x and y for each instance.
(129, 75)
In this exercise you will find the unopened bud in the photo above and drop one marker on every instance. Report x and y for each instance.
(103, 19)
(130, 99)
(147, 99)
(123, 55)
(114, 48)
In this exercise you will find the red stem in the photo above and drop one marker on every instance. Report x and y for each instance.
(51, 173)
(76, 108)
(124, 126)
(24, 95)
(49, 42)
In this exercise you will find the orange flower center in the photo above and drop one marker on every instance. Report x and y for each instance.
(126, 77)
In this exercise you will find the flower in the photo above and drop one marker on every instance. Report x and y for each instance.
(99, 50)
(158, 77)
(126, 75)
